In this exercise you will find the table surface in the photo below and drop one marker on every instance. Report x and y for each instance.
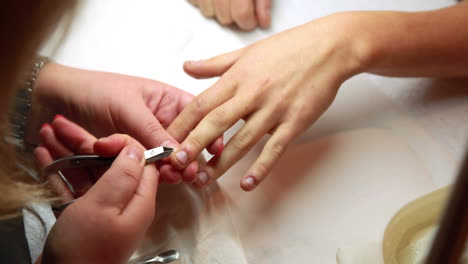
(152, 38)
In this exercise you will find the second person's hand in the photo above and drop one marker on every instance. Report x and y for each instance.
(246, 14)
(106, 103)
(108, 222)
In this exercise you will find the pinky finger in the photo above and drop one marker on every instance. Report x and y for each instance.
(270, 154)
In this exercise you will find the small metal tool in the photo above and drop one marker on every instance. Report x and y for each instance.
(86, 161)
(81, 161)
(165, 257)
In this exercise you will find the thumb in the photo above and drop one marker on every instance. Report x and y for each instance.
(212, 67)
(120, 182)
(263, 12)
(140, 123)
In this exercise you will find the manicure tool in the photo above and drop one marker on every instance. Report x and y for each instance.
(165, 257)
(85, 161)
(82, 161)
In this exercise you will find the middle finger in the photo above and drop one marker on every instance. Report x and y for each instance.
(211, 127)
(258, 125)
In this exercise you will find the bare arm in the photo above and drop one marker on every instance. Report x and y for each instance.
(432, 43)
(285, 82)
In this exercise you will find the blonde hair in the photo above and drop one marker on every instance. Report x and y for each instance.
(24, 25)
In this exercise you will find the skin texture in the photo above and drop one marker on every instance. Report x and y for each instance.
(106, 103)
(107, 222)
(245, 14)
(281, 85)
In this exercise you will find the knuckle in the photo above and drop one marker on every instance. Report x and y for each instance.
(217, 117)
(200, 104)
(280, 106)
(217, 170)
(130, 174)
(153, 129)
(244, 140)
(260, 89)
(195, 142)
(208, 13)
(224, 20)
(276, 150)
(262, 170)
(243, 13)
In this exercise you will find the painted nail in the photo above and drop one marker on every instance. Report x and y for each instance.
(57, 116)
(202, 177)
(45, 125)
(133, 152)
(182, 157)
(250, 181)
(220, 150)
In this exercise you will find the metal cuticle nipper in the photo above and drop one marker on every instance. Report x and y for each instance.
(86, 161)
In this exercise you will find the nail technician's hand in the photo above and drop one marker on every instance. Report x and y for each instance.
(246, 14)
(108, 222)
(106, 103)
(64, 138)
(280, 85)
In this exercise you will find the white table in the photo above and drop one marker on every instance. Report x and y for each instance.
(423, 119)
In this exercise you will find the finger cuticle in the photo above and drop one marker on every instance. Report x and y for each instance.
(203, 178)
(58, 116)
(250, 181)
(45, 125)
(182, 157)
(169, 144)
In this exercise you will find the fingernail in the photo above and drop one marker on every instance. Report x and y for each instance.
(134, 152)
(45, 125)
(250, 181)
(103, 140)
(57, 116)
(195, 62)
(182, 157)
(169, 144)
(220, 150)
(202, 177)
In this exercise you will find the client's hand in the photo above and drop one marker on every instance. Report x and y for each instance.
(108, 221)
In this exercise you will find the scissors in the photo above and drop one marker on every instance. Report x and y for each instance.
(86, 161)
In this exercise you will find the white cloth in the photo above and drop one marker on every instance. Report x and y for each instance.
(359, 254)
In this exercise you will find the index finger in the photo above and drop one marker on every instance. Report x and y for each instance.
(211, 127)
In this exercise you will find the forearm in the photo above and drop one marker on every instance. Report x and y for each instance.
(431, 43)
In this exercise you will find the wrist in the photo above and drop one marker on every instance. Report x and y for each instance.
(350, 35)
(45, 93)
(380, 37)
(20, 114)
